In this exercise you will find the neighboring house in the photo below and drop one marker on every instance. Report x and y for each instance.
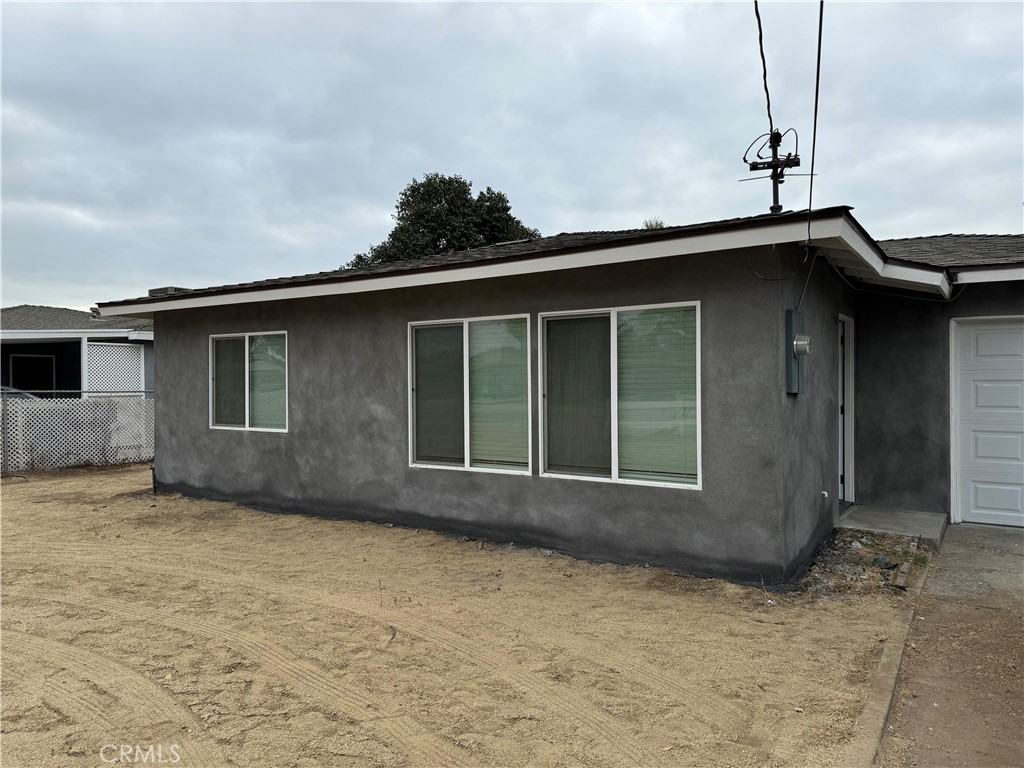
(47, 350)
(637, 396)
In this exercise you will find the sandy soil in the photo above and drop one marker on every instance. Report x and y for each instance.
(245, 638)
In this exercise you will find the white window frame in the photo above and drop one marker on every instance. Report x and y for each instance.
(287, 365)
(612, 313)
(464, 322)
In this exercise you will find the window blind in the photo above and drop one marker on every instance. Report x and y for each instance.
(229, 382)
(267, 372)
(498, 402)
(657, 394)
(578, 395)
(438, 394)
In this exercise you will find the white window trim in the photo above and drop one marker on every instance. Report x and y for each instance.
(612, 312)
(209, 379)
(464, 322)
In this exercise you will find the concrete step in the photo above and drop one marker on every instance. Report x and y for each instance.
(927, 527)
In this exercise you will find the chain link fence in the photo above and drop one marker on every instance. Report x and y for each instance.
(71, 429)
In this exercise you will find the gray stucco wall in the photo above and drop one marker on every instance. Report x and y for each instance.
(902, 392)
(346, 451)
(809, 421)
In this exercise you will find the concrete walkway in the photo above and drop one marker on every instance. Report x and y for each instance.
(960, 693)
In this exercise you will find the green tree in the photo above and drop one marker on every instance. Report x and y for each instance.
(654, 223)
(439, 214)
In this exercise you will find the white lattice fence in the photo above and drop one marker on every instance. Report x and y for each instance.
(115, 367)
(42, 434)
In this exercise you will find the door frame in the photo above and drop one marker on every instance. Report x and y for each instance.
(955, 513)
(847, 421)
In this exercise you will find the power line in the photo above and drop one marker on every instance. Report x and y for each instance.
(814, 130)
(814, 142)
(764, 68)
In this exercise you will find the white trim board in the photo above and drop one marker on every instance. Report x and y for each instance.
(835, 232)
(42, 337)
(989, 275)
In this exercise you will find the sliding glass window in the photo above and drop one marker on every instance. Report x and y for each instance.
(249, 381)
(470, 394)
(621, 394)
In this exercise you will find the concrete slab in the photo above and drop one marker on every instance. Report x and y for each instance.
(927, 527)
(961, 686)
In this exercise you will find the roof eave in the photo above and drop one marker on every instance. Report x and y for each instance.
(70, 334)
(991, 273)
(832, 227)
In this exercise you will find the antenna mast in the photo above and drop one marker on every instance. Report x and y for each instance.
(776, 164)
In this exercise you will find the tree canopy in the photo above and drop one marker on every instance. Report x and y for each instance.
(439, 214)
(654, 223)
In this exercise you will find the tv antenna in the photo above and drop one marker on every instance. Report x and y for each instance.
(767, 158)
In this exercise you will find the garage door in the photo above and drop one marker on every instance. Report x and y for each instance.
(989, 413)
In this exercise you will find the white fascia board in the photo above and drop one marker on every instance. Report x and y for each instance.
(918, 277)
(682, 246)
(990, 275)
(44, 336)
(895, 274)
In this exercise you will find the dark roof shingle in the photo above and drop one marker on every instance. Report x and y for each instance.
(953, 251)
(518, 249)
(28, 317)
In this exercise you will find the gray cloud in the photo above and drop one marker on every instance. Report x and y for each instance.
(197, 144)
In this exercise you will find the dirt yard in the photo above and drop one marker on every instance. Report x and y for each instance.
(221, 635)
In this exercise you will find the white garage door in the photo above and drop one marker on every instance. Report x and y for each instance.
(989, 426)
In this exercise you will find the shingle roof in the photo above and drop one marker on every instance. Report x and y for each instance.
(518, 249)
(27, 317)
(950, 251)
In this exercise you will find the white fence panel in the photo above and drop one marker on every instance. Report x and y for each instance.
(115, 367)
(43, 434)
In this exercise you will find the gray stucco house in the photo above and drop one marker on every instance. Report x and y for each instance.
(705, 398)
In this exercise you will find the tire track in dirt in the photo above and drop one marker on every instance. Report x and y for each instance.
(404, 733)
(135, 693)
(708, 711)
(605, 727)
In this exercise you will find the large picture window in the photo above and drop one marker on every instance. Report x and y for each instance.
(470, 394)
(621, 394)
(249, 381)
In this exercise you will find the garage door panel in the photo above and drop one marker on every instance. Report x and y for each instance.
(992, 394)
(990, 422)
(997, 446)
(992, 346)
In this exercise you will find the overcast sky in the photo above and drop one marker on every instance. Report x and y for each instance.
(199, 144)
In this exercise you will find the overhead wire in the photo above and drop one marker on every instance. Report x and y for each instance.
(764, 69)
(814, 146)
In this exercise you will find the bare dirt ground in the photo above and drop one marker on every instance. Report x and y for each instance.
(240, 637)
